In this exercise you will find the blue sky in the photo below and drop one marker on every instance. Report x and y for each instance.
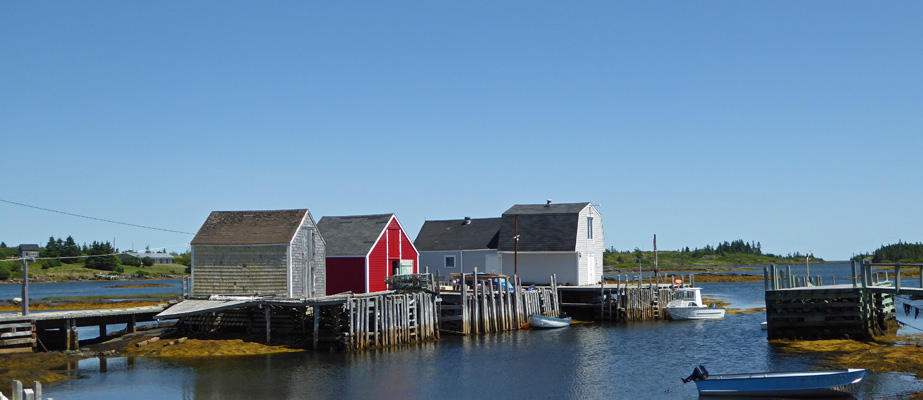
(795, 124)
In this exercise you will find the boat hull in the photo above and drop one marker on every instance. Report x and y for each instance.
(841, 383)
(685, 313)
(542, 322)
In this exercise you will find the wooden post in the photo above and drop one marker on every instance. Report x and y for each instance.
(477, 314)
(316, 310)
(266, 316)
(853, 276)
(602, 303)
(464, 306)
(102, 331)
(897, 279)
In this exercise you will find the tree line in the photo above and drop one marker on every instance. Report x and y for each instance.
(101, 256)
(898, 252)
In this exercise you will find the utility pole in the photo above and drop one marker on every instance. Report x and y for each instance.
(25, 286)
(516, 246)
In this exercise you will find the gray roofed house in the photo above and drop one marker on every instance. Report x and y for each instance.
(29, 251)
(459, 234)
(562, 239)
(158, 258)
(352, 235)
(276, 253)
(364, 250)
(459, 245)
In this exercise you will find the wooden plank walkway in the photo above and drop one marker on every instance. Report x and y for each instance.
(58, 329)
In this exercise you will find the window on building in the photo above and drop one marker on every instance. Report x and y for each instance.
(589, 227)
(450, 261)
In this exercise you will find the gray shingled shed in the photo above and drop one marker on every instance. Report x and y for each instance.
(276, 253)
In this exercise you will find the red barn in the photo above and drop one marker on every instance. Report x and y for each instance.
(363, 250)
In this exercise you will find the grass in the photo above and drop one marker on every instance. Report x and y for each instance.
(685, 261)
(78, 271)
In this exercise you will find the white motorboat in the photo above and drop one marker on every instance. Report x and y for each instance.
(688, 305)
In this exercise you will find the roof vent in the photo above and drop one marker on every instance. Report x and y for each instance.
(467, 220)
(548, 203)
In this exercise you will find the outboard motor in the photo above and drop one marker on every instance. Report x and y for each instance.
(698, 374)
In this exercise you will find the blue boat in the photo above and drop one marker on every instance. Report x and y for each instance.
(837, 383)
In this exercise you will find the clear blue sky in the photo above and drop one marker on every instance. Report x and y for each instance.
(795, 124)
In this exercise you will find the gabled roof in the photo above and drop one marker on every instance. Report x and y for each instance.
(455, 234)
(541, 227)
(250, 227)
(29, 247)
(352, 235)
(151, 255)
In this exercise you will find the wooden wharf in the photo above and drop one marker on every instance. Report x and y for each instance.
(623, 299)
(58, 330)
(494, 303)
(802, 307)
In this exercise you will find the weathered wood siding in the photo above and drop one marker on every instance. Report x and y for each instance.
(309, 258)
(240, 270)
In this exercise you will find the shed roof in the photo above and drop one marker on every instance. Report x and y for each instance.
(29, 247)
(250, 227)
(352, 235)
(541, 227)
(456, 234)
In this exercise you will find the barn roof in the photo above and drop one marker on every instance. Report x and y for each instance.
(352, 235)
(250, 227)
(456, 234)
(541, 227)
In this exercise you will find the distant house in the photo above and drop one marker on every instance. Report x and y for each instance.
(364, 250)
(460, 245)
(267, 253)
(158, 258)
(29, 250)
(562, 239)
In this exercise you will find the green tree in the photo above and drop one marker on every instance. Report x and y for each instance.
(147, 261)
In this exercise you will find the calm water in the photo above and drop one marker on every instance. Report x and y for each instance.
(90, 288)
(580, 362)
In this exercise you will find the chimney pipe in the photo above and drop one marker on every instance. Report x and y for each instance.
(548, 203)
(467, 220)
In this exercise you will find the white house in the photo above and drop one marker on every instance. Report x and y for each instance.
(562, 239)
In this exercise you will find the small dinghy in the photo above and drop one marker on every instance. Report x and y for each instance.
(542, 322)
(838, 383)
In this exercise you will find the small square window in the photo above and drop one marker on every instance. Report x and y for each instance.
(450, 261)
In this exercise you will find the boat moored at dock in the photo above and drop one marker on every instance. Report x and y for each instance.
(543, 322)
(688, 305)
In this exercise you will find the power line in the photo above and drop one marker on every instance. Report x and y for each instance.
(95, 219)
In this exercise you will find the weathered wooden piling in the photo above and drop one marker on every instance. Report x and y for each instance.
(804, 308)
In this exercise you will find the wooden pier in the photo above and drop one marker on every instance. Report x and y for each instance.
(494, 303)
(58, 330)
(800, 307)
(622, 299)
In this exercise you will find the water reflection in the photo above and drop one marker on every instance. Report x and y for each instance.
(638, 361)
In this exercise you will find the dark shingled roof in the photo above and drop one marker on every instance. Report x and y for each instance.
(353, 235)
(250, 227)
(481, 233)
(29, 247)
(541, 228)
